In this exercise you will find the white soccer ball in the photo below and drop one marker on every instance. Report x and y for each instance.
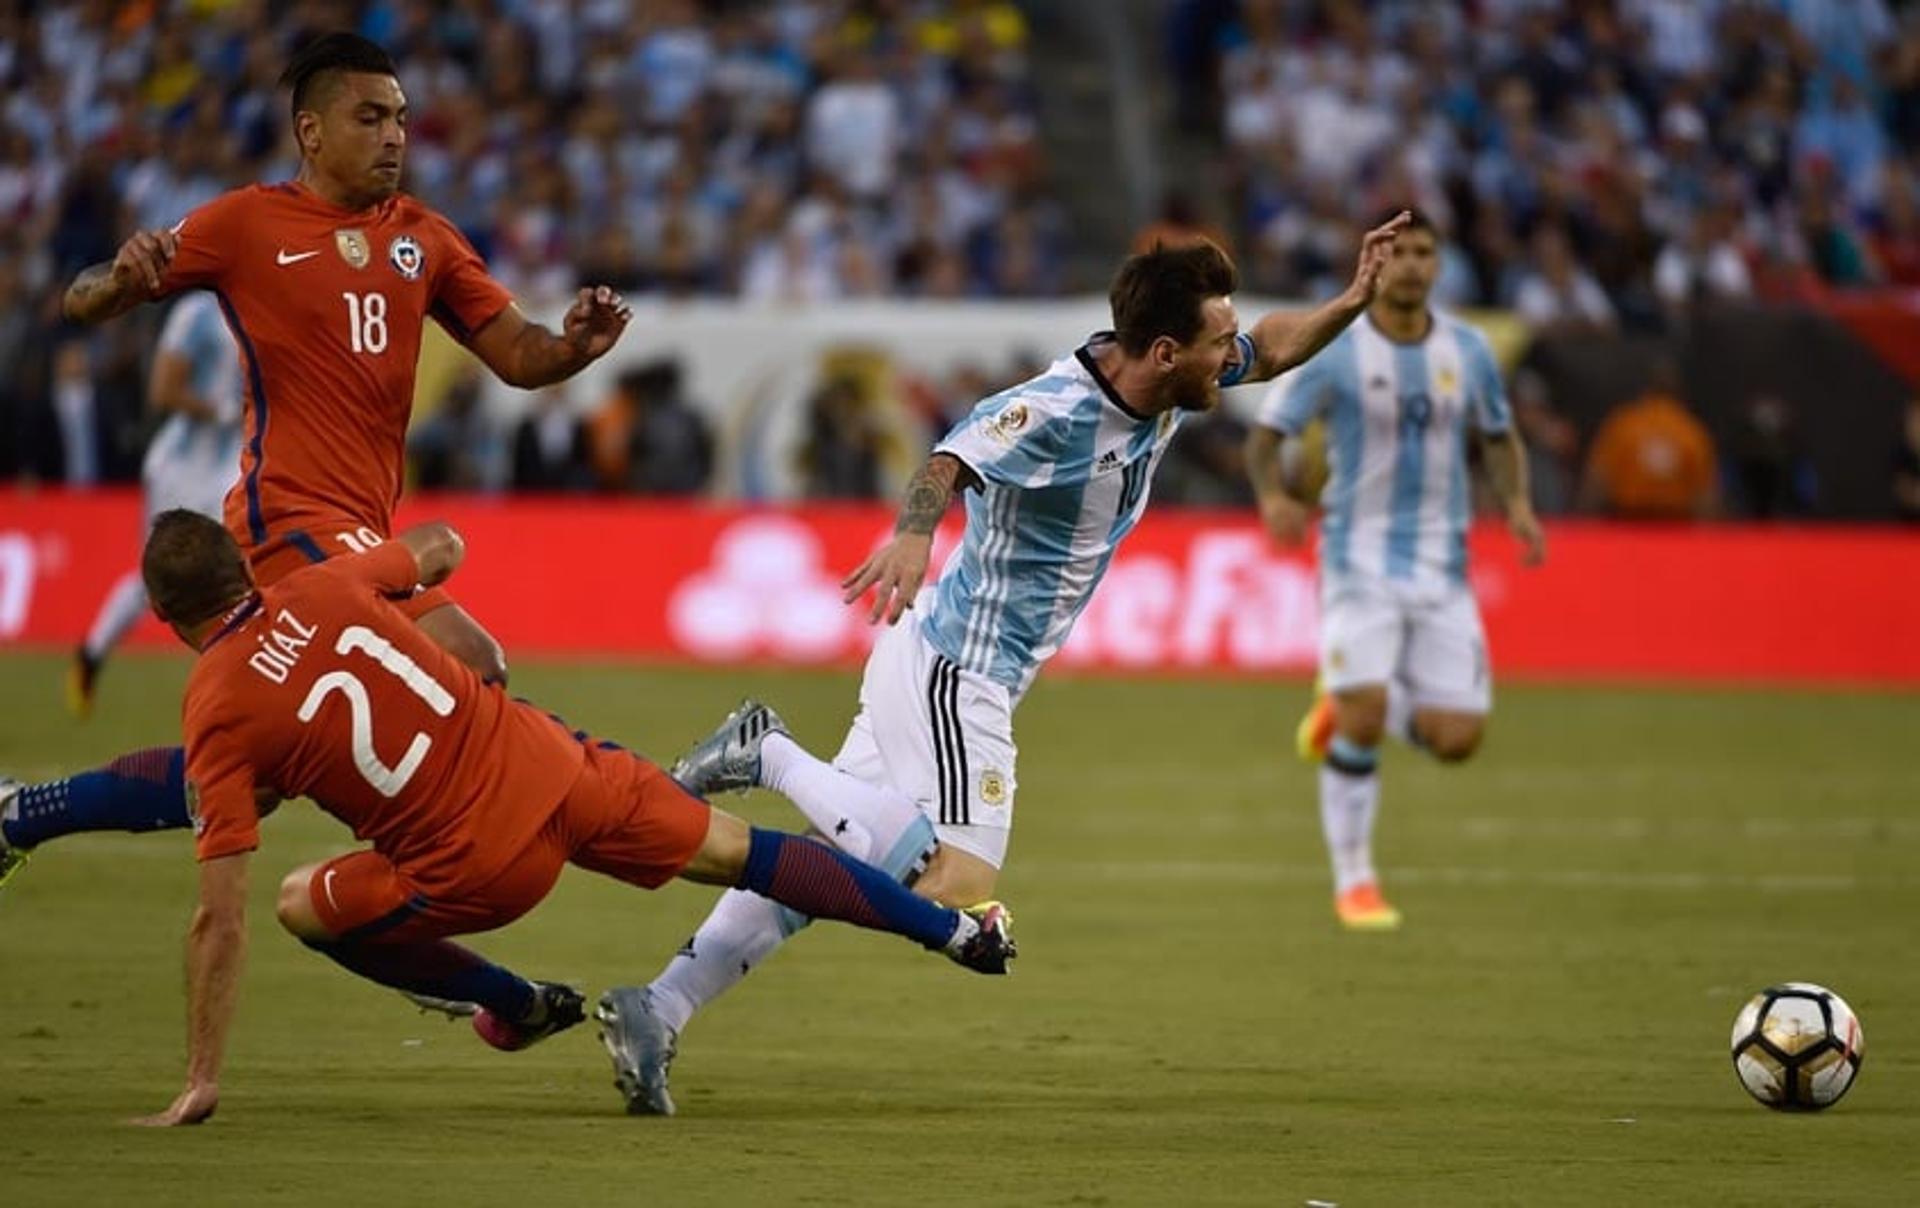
(1797, 1046)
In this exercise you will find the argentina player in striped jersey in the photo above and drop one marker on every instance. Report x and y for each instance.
(1056, 473)
(1402, 651)
(192, 460)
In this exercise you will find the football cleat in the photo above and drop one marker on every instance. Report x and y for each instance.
(987, 945)
(1363, 909)
(83, 676)
(1315, 733)
(452, 1008)
(728, 760)
(642, 1047)
(12, 859)
(560, 1007)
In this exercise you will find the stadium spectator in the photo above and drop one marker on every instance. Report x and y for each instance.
(777, 149)
(458, 447)
(1704, 267)
(1651, 458)
(843, 453)
(1556, 294)
(1767, 465)
(550, 446)
(1906, 466)
(1552, 443)
(669, 450)
(1618, 122)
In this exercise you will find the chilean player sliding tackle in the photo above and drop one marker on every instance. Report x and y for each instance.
(326, 282)
(472, 802)
(1056, 472)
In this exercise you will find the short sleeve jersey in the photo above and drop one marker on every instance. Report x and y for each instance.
(318, 687)
(1065, 468)
(1397, 501)
(327, 306)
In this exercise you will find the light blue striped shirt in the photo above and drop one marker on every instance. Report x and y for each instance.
(1397, 504)
(1064, 468)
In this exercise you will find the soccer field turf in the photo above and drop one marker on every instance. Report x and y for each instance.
(1588, 904)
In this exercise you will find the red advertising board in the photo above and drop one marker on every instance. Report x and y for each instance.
(1190, 590)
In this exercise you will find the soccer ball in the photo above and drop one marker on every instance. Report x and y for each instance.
(1797, 1046)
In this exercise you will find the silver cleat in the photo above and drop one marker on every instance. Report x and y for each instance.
(642, 1047)
(452, 1008)
(728, 760)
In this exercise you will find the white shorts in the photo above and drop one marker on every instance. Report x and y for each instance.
(1373, 631)
(942, 736)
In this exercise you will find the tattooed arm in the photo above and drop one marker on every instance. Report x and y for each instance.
(897, 568)
(102, 291)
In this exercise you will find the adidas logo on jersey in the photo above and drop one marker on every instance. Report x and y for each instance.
(1110, 460)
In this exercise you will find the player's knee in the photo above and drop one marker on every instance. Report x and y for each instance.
(1452, 740)
(1362, 728)
(1360, 716)
(295, 905)
(956, 878)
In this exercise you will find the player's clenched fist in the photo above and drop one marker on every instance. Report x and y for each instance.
(142, 261)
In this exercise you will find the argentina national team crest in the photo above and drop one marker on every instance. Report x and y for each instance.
(406, 257)
(353, 246)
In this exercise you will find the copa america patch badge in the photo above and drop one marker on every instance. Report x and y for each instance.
(406, 257)
(352, 245)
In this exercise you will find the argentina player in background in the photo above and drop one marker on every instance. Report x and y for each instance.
(1056, 472)
(192, 460)
(1402, 651)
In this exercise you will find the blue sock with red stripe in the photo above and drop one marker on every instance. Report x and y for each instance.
(436, 968)
(144, 791)
(826, 883)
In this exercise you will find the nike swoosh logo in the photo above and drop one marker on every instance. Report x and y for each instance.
(326, 883)
(282, 258)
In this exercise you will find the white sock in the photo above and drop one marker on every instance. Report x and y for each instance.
(118, 613)
(866, 821)
(1348, 805)
(742, 930)
(1400, 712)
(871, 823)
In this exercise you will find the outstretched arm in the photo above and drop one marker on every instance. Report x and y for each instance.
(216, 949)
(897, 569)
(1284, 339)
(1506, 465)
(525, 354)
(102, 291)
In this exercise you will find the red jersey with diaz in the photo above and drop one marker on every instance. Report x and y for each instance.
(318, 687)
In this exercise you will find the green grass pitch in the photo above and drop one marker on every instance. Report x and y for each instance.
(1587, 905)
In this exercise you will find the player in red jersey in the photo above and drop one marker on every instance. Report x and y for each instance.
(326, 282)
(471, 801)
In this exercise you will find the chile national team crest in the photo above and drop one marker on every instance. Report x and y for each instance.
(406, 257)
(353, 246)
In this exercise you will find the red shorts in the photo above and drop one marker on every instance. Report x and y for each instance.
(297, 548)
(624, 817)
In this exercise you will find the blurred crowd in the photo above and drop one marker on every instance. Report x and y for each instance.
(1599, 164)
(781, 150)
